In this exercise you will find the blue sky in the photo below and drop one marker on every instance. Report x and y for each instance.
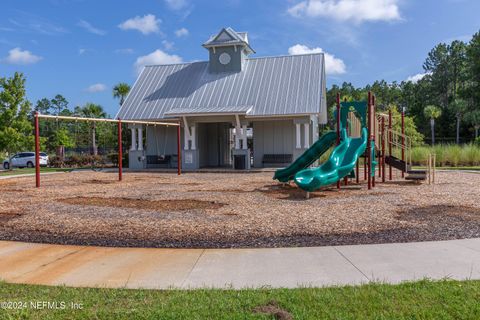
(81, 48)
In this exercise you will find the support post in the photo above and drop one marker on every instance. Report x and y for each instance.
(365, 166)
(140, 139)
(403, 140)
(383, 149)
(338, 127)
(133, 147)
(358, 171)
(120, 151)
(390, 137)
(37, 152)
(179, 156)
(369, 141)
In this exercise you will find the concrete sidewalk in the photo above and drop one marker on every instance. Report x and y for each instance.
(237, 268)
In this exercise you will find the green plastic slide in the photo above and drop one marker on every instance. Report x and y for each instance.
(307, 158)
(340, 163)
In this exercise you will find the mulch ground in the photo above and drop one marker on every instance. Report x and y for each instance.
(221, 210)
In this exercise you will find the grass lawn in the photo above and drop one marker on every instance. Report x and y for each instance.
(416, 300)
(31, 170)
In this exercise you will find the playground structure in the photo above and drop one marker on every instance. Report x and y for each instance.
(119, 123)
(360, 132)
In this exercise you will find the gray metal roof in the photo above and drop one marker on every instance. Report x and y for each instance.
(209, 110)
(284, 85)
(228, 36)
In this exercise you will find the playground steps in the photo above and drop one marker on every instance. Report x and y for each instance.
(416, 175)
(397, 163)
(401, 165)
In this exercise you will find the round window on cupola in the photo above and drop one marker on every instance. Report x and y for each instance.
(224, 58)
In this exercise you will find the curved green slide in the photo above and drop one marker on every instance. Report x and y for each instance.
(307, 158)
(340, 163)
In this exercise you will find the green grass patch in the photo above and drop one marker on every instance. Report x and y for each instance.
(451, 155)
(415, 300)
(31, 170)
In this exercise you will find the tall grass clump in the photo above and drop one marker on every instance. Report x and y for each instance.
(448, 155)
(471, 155)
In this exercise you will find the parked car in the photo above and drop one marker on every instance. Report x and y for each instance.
(25, 159)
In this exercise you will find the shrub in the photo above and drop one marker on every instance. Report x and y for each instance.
(56, 162)
(113, 158)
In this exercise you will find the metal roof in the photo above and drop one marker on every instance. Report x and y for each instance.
(206, 110)
(228, 37)
(284, 85)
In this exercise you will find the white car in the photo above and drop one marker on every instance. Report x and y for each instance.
(25, 159)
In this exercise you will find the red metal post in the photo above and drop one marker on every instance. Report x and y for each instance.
(179, 157)
(338, 127)
(120, 150)
(403, 139)
(369, 141)
(37, 151)
(390, 137)
(383, 149)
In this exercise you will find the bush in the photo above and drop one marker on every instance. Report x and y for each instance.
(56, 162)
(113, 158)
(75, 161)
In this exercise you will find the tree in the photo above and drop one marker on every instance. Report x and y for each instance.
(459, 107)
(432, 112)
(91, 110)
(59, 104)
(43, 106)
(473, 117)
(15, 126)
(121, 91)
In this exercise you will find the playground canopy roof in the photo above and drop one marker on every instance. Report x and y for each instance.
(271, 86)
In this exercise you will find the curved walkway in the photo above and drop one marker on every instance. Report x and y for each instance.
(81, 266)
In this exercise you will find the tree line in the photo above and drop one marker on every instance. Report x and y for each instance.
(446, 99)
(16, 122)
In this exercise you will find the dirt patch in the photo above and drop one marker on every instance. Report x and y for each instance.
(272, 308)
(97, 181)
(448, 214)
(9, 215)
(157, 205)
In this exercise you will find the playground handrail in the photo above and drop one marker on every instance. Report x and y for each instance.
(395, 139)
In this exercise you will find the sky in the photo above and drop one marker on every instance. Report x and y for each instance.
(82, 48)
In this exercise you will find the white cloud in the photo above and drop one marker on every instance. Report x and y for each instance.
(348, 10)
(417, 77)
(82, 51)
(97, 87)
(146, 24)
(182, 32)
(87, 26)
(176, 4)
(17, 56)
(333, 65)
(156, 57)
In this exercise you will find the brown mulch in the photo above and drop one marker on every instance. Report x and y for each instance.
(273, 309)
(221, 210)
(157, 205)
